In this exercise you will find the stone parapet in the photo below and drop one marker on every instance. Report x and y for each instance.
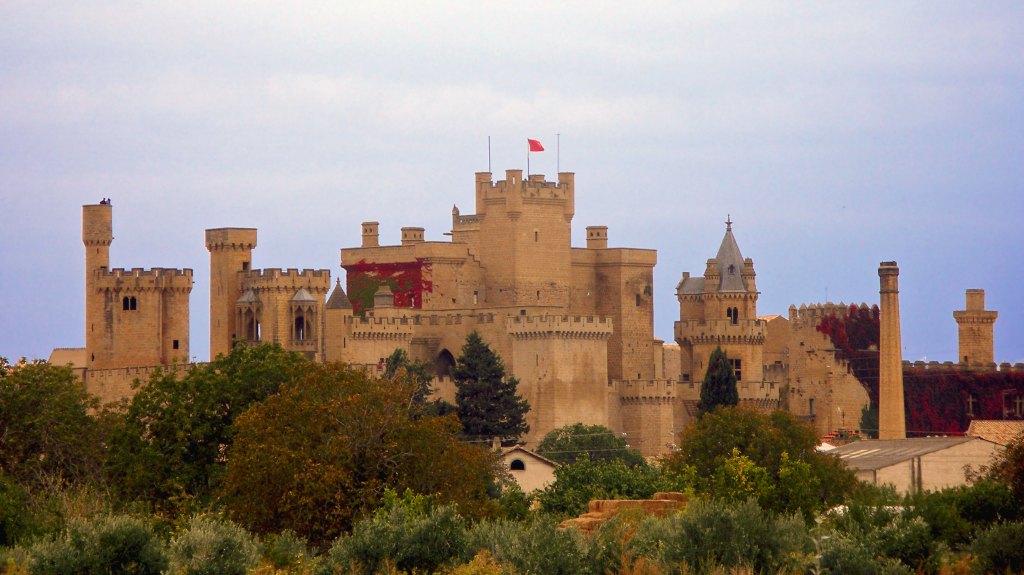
(645, 389)
(141, 278)
(720, 330)
(572, 326)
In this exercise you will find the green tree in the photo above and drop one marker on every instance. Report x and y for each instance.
(486, 400)
(578, 482)
(1009, 467)
(46, 433)
(171, 445)
(568, 443)
(800, 478)
(719, 386)
(320, 454)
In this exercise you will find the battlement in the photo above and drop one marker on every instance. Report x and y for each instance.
(292, 278)
(231, 238)
(724, 330)
(814, 313)
(514, 191)
(1004, 367)
(420, 319)
(141, 278)
(578, 326)
(644, 389)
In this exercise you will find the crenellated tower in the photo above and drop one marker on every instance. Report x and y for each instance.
(230, 253)
(720, 310)
(523, 235)
(134, 317)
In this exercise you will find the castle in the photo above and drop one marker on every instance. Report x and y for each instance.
(575, 325)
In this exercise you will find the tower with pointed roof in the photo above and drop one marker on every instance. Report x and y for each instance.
(720, 310)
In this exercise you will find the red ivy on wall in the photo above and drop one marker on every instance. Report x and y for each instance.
(404, 278)
(936, 399)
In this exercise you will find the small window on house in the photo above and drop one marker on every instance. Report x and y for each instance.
(522, 312)
(124, 303)
(129, 303)
(538, 295)
(737, 368)
(245, 266)
(536, 236)
(728, 312)
(475, 294)
(174, 344)
(517, 465)
(637, 300)
(810, 407)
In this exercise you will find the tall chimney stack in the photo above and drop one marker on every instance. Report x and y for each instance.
(892, 422)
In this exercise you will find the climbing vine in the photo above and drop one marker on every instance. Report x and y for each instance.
(937, 399)
(405, 279)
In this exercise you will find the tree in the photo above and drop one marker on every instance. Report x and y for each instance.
(46, 432)
(399, 365)
(320, 454)
(578, 482)
(719, 386)
(731, 441)
(486, 400)
(1008, 467)
(174, 435)
(566, 444)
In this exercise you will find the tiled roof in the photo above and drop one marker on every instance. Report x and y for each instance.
(870, 454)
(996, 431)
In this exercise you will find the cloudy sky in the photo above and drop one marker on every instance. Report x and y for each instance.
(837, 135)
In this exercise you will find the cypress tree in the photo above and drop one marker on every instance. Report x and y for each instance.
(486, 400)
(719, 387)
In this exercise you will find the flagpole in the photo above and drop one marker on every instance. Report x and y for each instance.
(527, 159)
(558, 154)
(488, 154)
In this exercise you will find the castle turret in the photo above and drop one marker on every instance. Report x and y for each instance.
(230, 253)
(720, 310)
(97, 235)
(975, 325)
(524, 238)
(891, 411)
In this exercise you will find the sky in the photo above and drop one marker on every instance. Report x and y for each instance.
(836, 135)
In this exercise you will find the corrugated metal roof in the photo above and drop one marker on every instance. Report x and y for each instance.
(870, 454)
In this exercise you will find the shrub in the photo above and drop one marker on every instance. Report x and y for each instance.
(845, 556)
(533, 546)
(403, 535)
(716, 533)
(14, 513)
(212, 545)
(286, 549)
(999, 549)
(104, 544)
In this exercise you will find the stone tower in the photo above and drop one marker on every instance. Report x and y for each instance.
(133, 317)
(525, 238)
(720, 310)
(891, 412)
(97, 235)
(975, 326)
(230, 253)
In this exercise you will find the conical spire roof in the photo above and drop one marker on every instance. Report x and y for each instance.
(303, 295)
(730, 262)
(338, 299)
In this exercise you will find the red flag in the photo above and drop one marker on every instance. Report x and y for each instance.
(535, 145)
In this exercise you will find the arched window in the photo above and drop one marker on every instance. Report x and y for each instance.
(735, 315)
(129, 303)
(300, 328)
(443, 364)
(517, 465)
